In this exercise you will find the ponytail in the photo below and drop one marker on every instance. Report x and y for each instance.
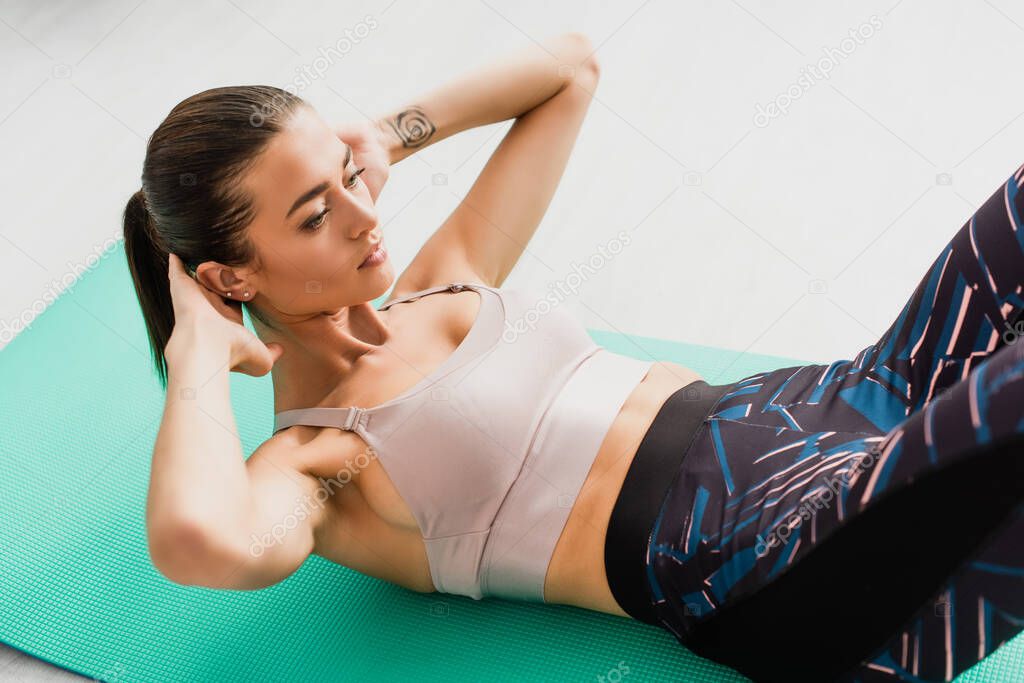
(191, 202)
(148, 263)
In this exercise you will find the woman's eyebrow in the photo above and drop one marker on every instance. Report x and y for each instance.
(319, 189)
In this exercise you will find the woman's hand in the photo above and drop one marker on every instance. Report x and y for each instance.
(202, 316)
(369, 144)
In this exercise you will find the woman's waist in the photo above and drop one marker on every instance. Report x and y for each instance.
(571, 579)
(621, 443)
(647, 480)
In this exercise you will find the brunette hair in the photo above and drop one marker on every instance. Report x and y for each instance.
(190, 202)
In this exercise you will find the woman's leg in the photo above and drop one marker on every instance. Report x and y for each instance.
(977, 611)
(797, 555)
(968, 305)
(982, 605)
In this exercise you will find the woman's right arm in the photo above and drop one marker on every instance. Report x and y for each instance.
(208, 509)
(502, 88)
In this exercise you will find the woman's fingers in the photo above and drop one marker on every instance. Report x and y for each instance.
(188, 294)
(250, 355)
(276, 351)
(178, 285)
(258, 358)
(175, 270)
(367, 140)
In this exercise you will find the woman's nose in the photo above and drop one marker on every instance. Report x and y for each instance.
(362, 216)
(363, 220)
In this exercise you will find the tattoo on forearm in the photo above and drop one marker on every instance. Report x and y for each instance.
(412, 127)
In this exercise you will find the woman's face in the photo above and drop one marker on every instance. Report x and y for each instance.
(315, 223)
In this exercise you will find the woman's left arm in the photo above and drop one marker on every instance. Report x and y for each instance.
(548, 92)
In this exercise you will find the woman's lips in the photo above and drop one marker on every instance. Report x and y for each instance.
(377, 257)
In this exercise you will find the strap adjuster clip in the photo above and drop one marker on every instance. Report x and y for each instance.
(353, 416)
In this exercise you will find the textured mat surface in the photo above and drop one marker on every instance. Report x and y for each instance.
(80, 411)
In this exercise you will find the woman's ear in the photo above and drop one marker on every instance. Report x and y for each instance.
(217, 278)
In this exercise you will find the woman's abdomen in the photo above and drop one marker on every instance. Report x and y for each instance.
(576, 573)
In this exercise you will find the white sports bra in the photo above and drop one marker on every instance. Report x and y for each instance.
(490, 450)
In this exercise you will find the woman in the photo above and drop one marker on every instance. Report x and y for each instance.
(470, 439)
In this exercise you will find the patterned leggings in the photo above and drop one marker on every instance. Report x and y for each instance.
(863, 520)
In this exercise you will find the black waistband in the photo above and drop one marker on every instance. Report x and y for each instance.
(651, 473)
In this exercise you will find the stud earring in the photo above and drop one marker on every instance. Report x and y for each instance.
(228, 293)
(245, 295)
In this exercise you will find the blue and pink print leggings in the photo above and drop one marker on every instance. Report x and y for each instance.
(863, 520)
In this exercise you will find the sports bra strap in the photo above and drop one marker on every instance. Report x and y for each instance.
(452, 286)
(342, 418)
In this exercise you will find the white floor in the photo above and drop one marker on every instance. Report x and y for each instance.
(798, 234)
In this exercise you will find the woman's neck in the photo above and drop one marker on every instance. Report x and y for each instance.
(320, 352)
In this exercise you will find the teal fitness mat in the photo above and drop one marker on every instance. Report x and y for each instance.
(81, 409)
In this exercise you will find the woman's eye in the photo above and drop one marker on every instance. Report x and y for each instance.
(355, 177)
(316, 221)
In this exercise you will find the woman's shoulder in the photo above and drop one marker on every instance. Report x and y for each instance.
(417, 278)
(319, 452)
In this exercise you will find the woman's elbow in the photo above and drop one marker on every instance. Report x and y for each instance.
(590, 62)
(191, 554)
(581, 53)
